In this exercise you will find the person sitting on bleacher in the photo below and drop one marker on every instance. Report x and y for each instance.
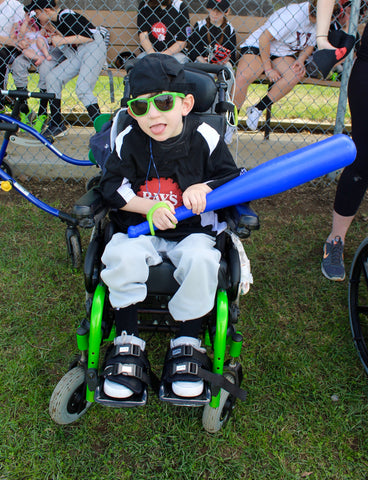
(213, 39)
(83, 56)
(164, 27)
(279, 49)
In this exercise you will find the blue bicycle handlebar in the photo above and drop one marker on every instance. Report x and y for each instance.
(43, 140)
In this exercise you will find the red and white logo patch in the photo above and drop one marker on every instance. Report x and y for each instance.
(162, 189)
(159, 31)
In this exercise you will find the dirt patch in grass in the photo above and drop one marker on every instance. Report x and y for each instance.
(304, 200)
(58, 191)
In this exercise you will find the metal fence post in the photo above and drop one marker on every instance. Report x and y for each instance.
(348, 64)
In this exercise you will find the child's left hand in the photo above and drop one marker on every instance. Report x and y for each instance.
(194, 197)
(164, 218)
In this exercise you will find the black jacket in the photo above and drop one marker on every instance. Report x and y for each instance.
(165, 170)
(165, 26)
(205, 37)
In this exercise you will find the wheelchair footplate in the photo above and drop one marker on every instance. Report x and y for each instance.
(133, 401)
(167, 395)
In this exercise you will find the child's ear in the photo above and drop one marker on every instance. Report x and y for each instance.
(188, 104)
(129, 112)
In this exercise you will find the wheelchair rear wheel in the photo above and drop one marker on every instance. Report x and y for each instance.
(358, 301)
(68, 400)
(214, 419)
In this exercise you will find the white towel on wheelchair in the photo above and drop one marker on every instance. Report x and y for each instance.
(246, 277)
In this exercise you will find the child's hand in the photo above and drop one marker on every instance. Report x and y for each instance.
(163, 218)
(194, 197)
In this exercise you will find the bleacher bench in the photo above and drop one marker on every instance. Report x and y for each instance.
(124, 38)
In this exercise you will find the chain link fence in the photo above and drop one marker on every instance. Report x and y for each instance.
(302, 116)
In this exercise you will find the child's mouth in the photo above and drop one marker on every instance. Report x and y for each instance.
(158, 129)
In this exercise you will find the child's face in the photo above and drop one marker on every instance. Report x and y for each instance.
(216, 16)
(161, 125)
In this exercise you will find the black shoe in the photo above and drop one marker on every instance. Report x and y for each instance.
(54, 131)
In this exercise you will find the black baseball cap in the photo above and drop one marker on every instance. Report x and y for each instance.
(222, 5)
(39, 5)
(157, 72)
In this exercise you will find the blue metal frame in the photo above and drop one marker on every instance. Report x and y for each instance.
(18, 187)
(42, 139)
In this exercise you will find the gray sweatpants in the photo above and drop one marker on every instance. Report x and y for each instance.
(21, 64)
(86, 61)
(196, 259)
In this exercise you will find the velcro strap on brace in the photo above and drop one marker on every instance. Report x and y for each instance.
(183, 368)
(127, 349)
(181, 351)
(187, 360)
(128, 369)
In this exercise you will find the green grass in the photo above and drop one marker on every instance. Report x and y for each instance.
(306, 102)
(70, 99)
(307, 411)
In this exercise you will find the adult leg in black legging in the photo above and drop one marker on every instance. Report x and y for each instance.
(354, 179)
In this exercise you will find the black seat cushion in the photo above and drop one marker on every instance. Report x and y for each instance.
(161, 279)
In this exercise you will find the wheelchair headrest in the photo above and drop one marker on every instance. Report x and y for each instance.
(203, 87)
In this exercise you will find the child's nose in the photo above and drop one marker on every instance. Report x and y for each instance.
(152, 110)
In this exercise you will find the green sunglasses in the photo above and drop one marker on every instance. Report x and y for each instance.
(164, 102)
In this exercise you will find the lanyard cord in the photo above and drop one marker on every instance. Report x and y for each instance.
(152, 162)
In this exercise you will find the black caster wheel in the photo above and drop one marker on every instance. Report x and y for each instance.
(74, 246)
(213, 419)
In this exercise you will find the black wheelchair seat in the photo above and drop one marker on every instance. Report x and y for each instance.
(161, 279)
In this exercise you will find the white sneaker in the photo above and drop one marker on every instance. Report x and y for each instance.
(230, 130)
(182, 388)
(253, 117)
(114, 389)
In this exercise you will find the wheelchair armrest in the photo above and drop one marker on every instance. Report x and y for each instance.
(89, 208)
(242, 219)
(247, 216)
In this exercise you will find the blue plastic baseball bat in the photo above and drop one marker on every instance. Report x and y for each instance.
(275, 176)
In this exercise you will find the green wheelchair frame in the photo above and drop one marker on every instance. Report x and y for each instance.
(75, 392)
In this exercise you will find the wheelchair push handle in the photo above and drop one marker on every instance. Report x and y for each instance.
(26, 94)
(209, 68)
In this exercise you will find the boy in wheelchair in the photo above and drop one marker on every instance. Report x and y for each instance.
(165, 158)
